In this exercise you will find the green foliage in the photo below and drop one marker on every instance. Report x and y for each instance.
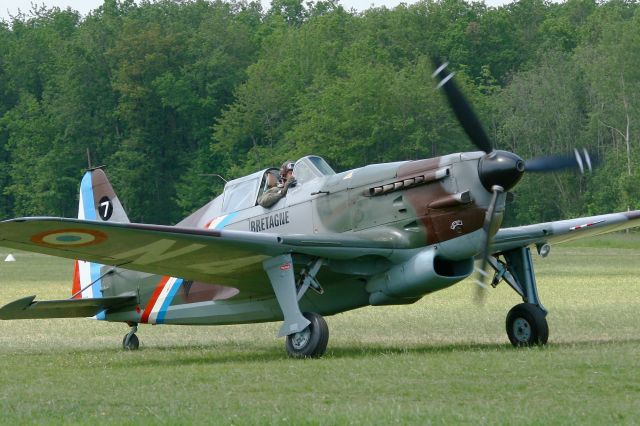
(168, 92)
(393, 115)
(542, 113)
(139, 86)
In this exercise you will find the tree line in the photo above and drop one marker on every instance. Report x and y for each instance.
(167, 93)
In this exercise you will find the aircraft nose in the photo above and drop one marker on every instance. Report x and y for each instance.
(501, 168)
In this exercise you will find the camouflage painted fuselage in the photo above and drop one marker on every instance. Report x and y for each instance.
(423, 215)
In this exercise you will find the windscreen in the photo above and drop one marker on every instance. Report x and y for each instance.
(240, 196)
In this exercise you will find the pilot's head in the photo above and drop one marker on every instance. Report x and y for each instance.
(287, 169)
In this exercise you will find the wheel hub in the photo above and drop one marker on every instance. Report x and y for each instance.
(522, 330)
(301, 339)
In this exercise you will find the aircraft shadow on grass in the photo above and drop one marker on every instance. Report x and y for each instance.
(211, 353)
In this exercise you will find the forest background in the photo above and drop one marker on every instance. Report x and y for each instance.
(166, 93)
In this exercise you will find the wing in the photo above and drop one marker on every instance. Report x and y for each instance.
(563, 230)
(216, 257)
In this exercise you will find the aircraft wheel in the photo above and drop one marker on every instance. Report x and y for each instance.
(527, 325)
(310, 342)
(130, 342)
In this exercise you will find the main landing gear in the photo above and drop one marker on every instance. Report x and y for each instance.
(526, 323)
(310, 342)
(306, 335)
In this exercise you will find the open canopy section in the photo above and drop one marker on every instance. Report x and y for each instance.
(311, 167)
(243, 193)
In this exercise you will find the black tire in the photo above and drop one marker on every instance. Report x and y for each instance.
(527, 325)
(132, 345)
(310, 342)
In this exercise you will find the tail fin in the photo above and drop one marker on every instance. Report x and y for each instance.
(99, 202)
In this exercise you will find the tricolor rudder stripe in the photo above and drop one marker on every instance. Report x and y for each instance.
(97, 202)
(75, 288)
(87, 274)
(156, 309)
(86, 209)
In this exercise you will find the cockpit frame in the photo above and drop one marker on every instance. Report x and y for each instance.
(244, 192)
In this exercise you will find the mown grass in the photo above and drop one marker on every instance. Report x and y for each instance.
(442, 360)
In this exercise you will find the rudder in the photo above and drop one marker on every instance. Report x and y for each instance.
(99, 202)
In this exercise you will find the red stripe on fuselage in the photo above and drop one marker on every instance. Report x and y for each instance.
(154, 297)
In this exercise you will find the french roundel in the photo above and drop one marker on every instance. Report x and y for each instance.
(69, 238)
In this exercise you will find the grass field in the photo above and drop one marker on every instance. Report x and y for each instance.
(442, 360)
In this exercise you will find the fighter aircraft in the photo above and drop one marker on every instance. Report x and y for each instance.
(383, 234)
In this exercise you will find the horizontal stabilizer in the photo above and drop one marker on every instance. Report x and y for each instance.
(27, 308)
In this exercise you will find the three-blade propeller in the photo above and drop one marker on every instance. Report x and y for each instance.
(461, 108)
(576, 160)
(498, 170)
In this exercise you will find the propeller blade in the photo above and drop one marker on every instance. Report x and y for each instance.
(575, 160)
(488, 227)
(461, 108)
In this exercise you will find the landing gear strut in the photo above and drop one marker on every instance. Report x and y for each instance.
(307, 334)
(526, 323)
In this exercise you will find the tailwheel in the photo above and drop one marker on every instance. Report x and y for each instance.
(527, 325)
(310, 342)
(130, 342)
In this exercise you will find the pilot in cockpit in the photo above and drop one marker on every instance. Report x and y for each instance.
(276, 190)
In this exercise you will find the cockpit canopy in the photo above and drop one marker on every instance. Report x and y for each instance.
(244, 192)
(311, 167)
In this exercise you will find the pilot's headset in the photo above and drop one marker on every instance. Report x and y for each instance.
(285, 168)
